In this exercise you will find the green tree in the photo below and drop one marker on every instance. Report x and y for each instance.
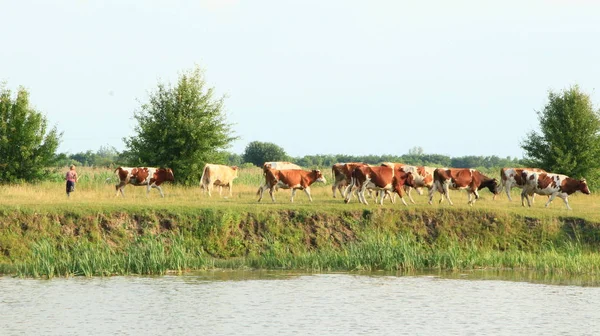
(27, 145)
(569, 142)
(260, 152)
(181, 127)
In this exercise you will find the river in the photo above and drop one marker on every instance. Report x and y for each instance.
(288, 303)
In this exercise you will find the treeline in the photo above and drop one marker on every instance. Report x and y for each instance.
(110, 157)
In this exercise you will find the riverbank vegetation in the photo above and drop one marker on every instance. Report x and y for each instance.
(44, 234)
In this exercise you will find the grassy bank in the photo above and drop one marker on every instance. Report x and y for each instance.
(155, 241)
(44, 234)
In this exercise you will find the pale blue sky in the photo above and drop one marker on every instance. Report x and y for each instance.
(315, 77)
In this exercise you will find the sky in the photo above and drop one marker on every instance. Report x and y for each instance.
(314, 77)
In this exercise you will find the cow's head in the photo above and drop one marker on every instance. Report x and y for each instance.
(494, 186)
(166, 174)
(236, 170)
(319, 176)
(583, 187)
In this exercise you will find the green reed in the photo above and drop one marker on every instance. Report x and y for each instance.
(80, 242)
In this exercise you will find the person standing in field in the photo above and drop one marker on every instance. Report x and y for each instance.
(71, 178)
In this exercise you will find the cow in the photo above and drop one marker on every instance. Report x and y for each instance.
(445, 179)
(290, 179)
(382, 178)
(342, 174)
(143, 176)
(218, 175)
(423, 177)
(552, 185)
(279, 165)
(511, 177)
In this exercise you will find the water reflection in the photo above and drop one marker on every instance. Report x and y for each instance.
(481, 274)
(298, 303)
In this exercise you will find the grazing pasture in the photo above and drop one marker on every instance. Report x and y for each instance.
(95, 192)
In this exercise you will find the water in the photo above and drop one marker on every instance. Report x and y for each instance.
(276, 303)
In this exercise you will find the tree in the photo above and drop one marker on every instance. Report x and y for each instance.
(181, 127)
(569, 142)
(260, 152)
(27, 146)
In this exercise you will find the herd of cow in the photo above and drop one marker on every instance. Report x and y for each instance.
(385, 180)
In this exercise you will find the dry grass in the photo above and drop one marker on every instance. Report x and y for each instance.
(95, 193)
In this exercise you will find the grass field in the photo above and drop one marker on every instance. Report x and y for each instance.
(94, 192)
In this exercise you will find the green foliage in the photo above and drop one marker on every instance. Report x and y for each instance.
(260, 152)
(181, 127)
(27, 146)
(106, 156)
(569, 142)
(414, 157)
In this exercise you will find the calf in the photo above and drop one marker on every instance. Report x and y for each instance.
(461, 178)
(383, 178)
(552, 185)
(143, 176)
(290, 179)
(511, 177)
(218, 175)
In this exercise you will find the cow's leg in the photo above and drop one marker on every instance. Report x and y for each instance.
(566, 200)
(307, 191)
(209, 187)
(349, 190)
(157, 187)
(335, 187)
(507, 187)
(403, 201)
(119, 188)
(550, 199)
(473, 192)
(293, 194)
(230, 191)
(525, 195)
(361, 194)
(391, 195)
(433, 189)
(342, 188)
(272, 193)
(409, 189)
(260, 192)
(447, 193)
(383, 194)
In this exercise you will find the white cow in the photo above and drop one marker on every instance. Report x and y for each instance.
(218, 175)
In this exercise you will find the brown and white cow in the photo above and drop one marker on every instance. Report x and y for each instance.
(445, 179)
(511, 177)
(219, 176)
(279, 165)
(423, 177)
(342, 174)
(552, 185)
(143, 176)
(382, 179)
(290, 179)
